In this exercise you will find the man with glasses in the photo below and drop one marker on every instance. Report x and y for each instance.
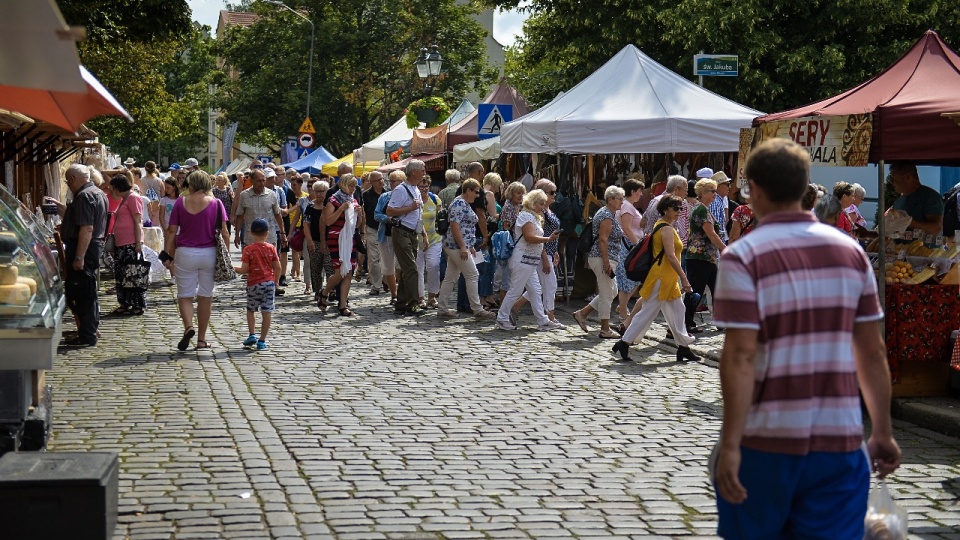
(405, 205)
(370, 198)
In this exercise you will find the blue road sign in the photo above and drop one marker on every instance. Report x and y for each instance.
(490, 117)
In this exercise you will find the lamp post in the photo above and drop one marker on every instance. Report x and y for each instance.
(428, 65)
(312, 33)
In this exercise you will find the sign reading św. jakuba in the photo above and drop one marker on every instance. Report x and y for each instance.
(839, 141)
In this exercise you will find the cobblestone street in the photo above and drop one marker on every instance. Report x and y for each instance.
(377, 427)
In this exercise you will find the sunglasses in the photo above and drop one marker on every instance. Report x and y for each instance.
(257, 167)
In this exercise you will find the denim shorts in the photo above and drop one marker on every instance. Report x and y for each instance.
(260, 297)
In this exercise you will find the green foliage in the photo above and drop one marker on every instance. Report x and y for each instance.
(791, 53)
(157, 64)
(432, 102)
(363, 71)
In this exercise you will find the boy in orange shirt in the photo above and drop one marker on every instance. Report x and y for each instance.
(262, 265)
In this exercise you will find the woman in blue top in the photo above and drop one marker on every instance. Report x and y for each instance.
(603, 259)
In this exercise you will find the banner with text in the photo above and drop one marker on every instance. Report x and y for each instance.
(839, 141)
(429, 140)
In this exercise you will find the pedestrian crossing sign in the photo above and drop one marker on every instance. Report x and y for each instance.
(490, 117)
(307, 127)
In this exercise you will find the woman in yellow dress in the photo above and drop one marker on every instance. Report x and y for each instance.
(661, 291)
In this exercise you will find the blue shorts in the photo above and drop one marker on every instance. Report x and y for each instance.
(822, 495)
(260, 297)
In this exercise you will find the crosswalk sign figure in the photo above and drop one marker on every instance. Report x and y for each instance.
(491, 117)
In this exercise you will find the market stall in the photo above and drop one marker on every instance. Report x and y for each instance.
(907, 107)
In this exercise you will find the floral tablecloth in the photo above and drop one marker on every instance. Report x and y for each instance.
(919, 321)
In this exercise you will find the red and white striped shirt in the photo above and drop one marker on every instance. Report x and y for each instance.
(802, 285)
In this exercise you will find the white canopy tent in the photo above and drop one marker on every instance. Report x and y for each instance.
(237, 165)
(477, 151)
(373, 150)
(631, 104)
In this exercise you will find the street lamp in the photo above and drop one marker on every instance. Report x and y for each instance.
(312, 32)
(428, 65)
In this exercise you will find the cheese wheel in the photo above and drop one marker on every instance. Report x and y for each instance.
(8, 274)
(17, 294)
(30, 282)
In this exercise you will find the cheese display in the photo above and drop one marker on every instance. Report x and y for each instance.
(29, 282)
(17, 294)
(8, 274)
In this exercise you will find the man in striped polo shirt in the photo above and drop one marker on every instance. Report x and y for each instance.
(798, 300)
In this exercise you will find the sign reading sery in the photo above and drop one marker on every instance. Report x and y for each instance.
(716, 65)
(840, 141)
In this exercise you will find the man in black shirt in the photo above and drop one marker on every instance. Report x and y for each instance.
(83, 230)
(370, 198)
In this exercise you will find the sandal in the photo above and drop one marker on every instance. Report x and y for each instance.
(135, 311)
(202, 345)
(185, 341)
(345, 312)
(121, 311)
(322, 302)
(609, 335)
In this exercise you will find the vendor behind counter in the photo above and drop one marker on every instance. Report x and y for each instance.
(923, 204)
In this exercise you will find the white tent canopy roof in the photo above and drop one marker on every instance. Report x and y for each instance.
(631, 104)
(477, 151)
(373, 150)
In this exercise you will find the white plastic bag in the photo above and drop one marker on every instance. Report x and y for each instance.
(885, 520)
(895, 222)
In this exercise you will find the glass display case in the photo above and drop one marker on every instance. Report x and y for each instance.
(32, 301)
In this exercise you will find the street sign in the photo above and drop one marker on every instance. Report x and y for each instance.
(305, 140)
(716, 65)
(490, 117)
(307, 127)
(303, 152)
(265, 159)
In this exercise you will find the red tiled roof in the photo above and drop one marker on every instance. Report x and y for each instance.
(241, 18)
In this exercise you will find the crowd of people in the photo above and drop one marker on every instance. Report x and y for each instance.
(806, 473)
(424, 250)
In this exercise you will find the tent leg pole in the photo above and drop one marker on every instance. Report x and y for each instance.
(881, 246)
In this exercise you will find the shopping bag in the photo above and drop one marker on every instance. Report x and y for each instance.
(885, 520)
(135, 274)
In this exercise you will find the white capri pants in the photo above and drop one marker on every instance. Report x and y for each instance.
(606, 288)
(672, 312)
(428, 266)
(522, 276)
(548, 286)
(455, 267)
(388, 259)
(193, 271)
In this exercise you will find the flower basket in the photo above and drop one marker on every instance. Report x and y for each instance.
(432, 111)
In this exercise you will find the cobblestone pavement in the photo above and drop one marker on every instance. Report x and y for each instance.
(376, 427)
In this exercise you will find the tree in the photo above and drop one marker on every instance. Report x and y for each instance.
(363, 67)
(156, 63)
(790, 52)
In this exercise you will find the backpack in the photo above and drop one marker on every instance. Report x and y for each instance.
(503, 244)
(640, 259)
(585, 240)
(951, 219)
(442, 222)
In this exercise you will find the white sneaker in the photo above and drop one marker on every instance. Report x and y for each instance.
(505, 325)
(559, 324)
(549, 325)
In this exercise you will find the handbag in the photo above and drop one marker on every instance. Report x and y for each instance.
(136, 274)
(296, 241)
(223, 269)
(358, 242)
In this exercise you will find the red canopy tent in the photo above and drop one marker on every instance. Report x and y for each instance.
(908, 100)
(465, 131)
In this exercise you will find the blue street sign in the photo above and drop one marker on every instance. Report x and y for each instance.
(490, 117)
